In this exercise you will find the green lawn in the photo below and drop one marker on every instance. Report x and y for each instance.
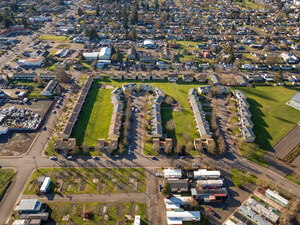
(293, 178)
(6, 176)
(94, 120)
(80, 180)
(33, 92)
(116, 212)
(272, 118)
(53, 38)
(239, 177)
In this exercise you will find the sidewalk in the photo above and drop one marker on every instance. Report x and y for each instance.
(116, 197)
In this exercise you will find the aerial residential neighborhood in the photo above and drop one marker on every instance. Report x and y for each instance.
(150, 112)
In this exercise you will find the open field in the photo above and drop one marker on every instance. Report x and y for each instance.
(53, 38)
(95, 117)
(240, 177)
(116, 212)
(6, 176)
(293, 178)
(82, 181)
(272, 118)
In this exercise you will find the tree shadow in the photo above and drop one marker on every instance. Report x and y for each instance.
(262, 135)
(81, 124)
(166, 115)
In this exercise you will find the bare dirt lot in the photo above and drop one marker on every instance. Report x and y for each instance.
(16, 143)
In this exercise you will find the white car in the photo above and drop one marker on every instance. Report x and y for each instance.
(53, 158)
(158, 175)
(70, 157)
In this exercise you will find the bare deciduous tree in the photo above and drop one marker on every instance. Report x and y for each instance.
(170, 125)
(62, 76)
(169, 100)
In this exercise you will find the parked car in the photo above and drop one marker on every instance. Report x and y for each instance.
(53, 158)
(158, 175)
(154, 158)
(70, 157)
(212, 211)
(160, 187)
(95, 157)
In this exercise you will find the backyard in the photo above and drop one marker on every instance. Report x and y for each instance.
(34, 91)
(6, 176)
(94, 120)
(90, 181)
(103, 212)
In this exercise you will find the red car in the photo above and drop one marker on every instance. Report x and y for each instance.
(212, 211)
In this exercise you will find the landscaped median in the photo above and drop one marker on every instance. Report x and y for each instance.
(90, 180)
(102, 212)
(6, 176)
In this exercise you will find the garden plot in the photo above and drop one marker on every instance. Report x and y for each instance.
(81, 181)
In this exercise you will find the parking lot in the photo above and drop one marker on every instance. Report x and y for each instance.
(16, 143)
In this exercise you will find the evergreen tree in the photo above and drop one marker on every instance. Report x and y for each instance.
(278, 77)
(113, 50)
(133, 35)
(134, 16)
(125, 18)
(80, 11)
(147, 7)
(97, 11)
(118, 56)
(167, 191)
(156, 5)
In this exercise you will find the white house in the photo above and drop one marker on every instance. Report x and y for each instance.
(295, 101)
(172, 173)
(277, 198)
(206, 174)
(177, 217)
(46, 185)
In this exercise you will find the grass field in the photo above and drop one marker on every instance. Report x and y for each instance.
(6, 176)
(239, 177)
(293, 178)
(95, 117)
(34, 92)
(271, 116)
(116, 212)
(81, 181)
(53, 38)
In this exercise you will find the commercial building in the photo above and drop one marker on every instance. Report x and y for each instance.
(89, 56)
(32, 62)
(150, 44)
(105, 53)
